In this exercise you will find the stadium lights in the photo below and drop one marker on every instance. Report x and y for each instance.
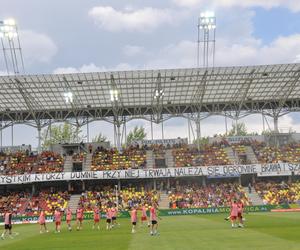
(114, 95)
(68, 97)
(207, 20)
(8, 28)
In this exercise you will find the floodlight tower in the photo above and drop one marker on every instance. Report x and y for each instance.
(206, 39)
(11, 47)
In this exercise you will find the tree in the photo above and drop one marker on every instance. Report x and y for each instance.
(138, 133)
(238, 129)
(63, 133)
(202, 141)
(99, 138)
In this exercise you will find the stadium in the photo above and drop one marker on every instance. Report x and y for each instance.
(138, 188)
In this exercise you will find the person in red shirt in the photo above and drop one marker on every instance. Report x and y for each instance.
(96, 213)
(7, 224)
(69, 218)
(57, 219)
(42, 221)
(240, 205)
(153, 219)
(114, 214)
(233, 213)
(144, 216)
(108, 218)
(133, 216)
(79, 217)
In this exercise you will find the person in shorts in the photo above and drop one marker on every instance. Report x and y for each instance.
(69, 218)
(7, 224)
(57, 219)
(96, 213)
(153, 219)
(133, 216)
(42, 221)
(108, 218)
(79, 217)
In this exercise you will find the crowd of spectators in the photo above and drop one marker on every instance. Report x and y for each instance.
(208, 155)
(15, 201)
(123, 199)
(111, 159)
(23, 162)
(270, 154)
(212, 195)
(278, 193)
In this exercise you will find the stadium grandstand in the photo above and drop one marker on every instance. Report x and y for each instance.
(155, 165)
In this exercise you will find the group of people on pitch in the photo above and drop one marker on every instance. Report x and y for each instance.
(236, 213)
(152, 221)
(111, 213)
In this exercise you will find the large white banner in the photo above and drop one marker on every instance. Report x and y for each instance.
(227, 170)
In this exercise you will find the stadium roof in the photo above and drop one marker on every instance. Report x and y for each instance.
(141, 93)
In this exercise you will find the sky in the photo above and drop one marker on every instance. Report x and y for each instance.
(65, 36)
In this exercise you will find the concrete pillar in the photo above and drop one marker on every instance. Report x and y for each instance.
(275, 118)
(119, 185)
(39, 138)
(203, 181)
(168, 184)
(154, 184)
(253, 179)
(198, 132)
(69, 186)
(119, 137)
(83, 185)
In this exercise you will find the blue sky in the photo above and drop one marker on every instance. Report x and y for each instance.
(80, 36)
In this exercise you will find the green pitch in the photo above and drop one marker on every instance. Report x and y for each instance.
(262, 231)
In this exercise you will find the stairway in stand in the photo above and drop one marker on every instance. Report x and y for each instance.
(231, 155)
(86, 166)
(251, 155)
(73, 202)
(164, 201)
(68, 165)
(253, 196)
(169, 158)
(150, 159)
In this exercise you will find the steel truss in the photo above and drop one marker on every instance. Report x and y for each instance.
(154, 95)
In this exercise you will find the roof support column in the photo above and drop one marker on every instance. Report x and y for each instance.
(151, 124)
(198, 130)
(226, 125)
(162, 131)
(12, 134)
(87, 130)
(1, 135)
(189, 129)
(39, 137)
(275, 120)
(236, 119)
(117, 133)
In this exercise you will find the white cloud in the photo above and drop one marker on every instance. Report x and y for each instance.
(293, 5)
(37, 47)
(251, 51)
(85, 68)
(143, 20)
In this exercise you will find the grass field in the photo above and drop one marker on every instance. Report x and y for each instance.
(262, 231)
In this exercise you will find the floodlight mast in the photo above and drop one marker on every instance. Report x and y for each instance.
(11, 47)
(206, 39)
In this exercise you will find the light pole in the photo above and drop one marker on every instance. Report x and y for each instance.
(207, 38)
(11, 47)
